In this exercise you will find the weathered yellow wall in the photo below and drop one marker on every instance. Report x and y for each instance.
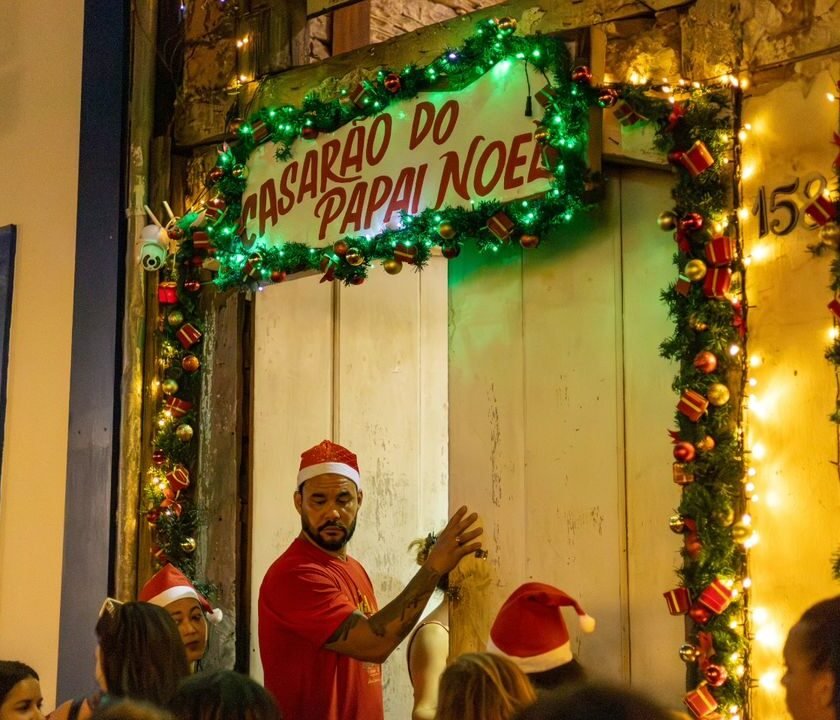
(40, 83)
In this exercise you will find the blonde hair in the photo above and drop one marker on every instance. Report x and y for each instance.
(423, 546)
(482, 686)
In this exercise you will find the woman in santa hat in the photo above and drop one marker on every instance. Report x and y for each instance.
(170, 589)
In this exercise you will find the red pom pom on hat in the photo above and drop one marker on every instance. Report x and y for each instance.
(328, 458)
(168, 585)
(530, 631)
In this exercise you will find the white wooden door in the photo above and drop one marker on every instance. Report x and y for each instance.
(365, 367)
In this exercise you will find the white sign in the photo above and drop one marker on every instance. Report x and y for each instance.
(439, 149)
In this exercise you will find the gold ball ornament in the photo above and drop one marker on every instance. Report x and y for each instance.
(175, 318)
(718, 394)
(830, 235)
(188, 545)
(169, 386)
(741, 533)
(677, 524)
(392, 266)
(689, 653)
(695, 270)
(726, 516)
(541, 134)
(506, 23)
(697, 324)
(667, 221)
(184, 432)
(706, 444)
(446, 231)
(354, 257)
(240, 172)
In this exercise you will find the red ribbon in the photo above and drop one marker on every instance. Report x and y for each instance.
(738, 319)
(836, 141)
(682, 240)
(675, 436)
(707, 649)
(674, 118)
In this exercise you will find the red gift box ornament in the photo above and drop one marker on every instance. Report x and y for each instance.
(822, 210)
(405, 254)
(681, 476)
(360, 96)
(683, 285)
(547, 96)
(716, 597)
(834, 306)
(717, 282)
(188, 335)
(700, 701)
(201, 240)
(168, 293)
(720, 251)
(177, 407)
(626, 114)
(178, 479)
(501, 226)
(678, 601)
(259, 132)
(696, 159)
(692, 404)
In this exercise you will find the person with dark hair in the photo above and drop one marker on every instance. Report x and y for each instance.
(593, 702)
(322, 636)
(530, 630)
(482, 686)
(131, 710)
(223, 695)
(170, 589)
(20, 692)
(428, 645)
(812, 657)
(139, 656)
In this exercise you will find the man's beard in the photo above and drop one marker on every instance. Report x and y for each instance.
(330, 545)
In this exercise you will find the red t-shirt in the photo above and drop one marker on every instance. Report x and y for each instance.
(305, 595)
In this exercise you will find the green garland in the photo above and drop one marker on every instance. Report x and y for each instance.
(565, 130)
(710, 504)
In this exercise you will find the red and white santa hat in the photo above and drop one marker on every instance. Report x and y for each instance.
(530, 631)
(168, 585)
(328, 458)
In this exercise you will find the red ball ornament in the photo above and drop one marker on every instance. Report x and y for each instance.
(158, 457)
(190, 363)
(214, 176)
(715, 675)
(175, 232)
(357, 280)
(196, 260)
(684, 451)
(451, 251)
(153, 516)
(235, 125)
(699, 614)
(608, 97)
(217, 202)
(192, 286)
(309, 132)
(582, 74)
(278, 276)
(392, 83)
(529, 241)
(691, 221)
(340, 247)
(706, 362)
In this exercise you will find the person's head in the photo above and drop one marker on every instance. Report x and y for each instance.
(170, 589)
(130, 710)
(223, 695)
(482, 686)
(593, 702)
(20, 692)
(328, 495)
(812, 657)
(422, 547)
(140, 653)
(530, 631)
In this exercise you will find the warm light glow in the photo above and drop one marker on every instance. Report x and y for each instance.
(747, 171)
(753, 382)
(833, 333)
(752, 540)
(746, 519)
(831, 97)
(771, 680)
(760, 615)
(734, 350)
(747, 582)
(752, 472)
(750, 486)
(759, 451)
(745, 83)
(743, 213)
(760, 252)
(743, 135)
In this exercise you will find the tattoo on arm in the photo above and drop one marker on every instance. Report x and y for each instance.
(343, 630)
(401, 614)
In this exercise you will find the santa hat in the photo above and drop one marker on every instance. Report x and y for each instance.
(168, 585)
(530, 631)
(328, 457)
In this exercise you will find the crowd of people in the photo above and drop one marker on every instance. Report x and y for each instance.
(323, 639)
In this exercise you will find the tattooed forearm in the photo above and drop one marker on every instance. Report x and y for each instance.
(343, 630)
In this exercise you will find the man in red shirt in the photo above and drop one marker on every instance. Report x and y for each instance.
(322, 636)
